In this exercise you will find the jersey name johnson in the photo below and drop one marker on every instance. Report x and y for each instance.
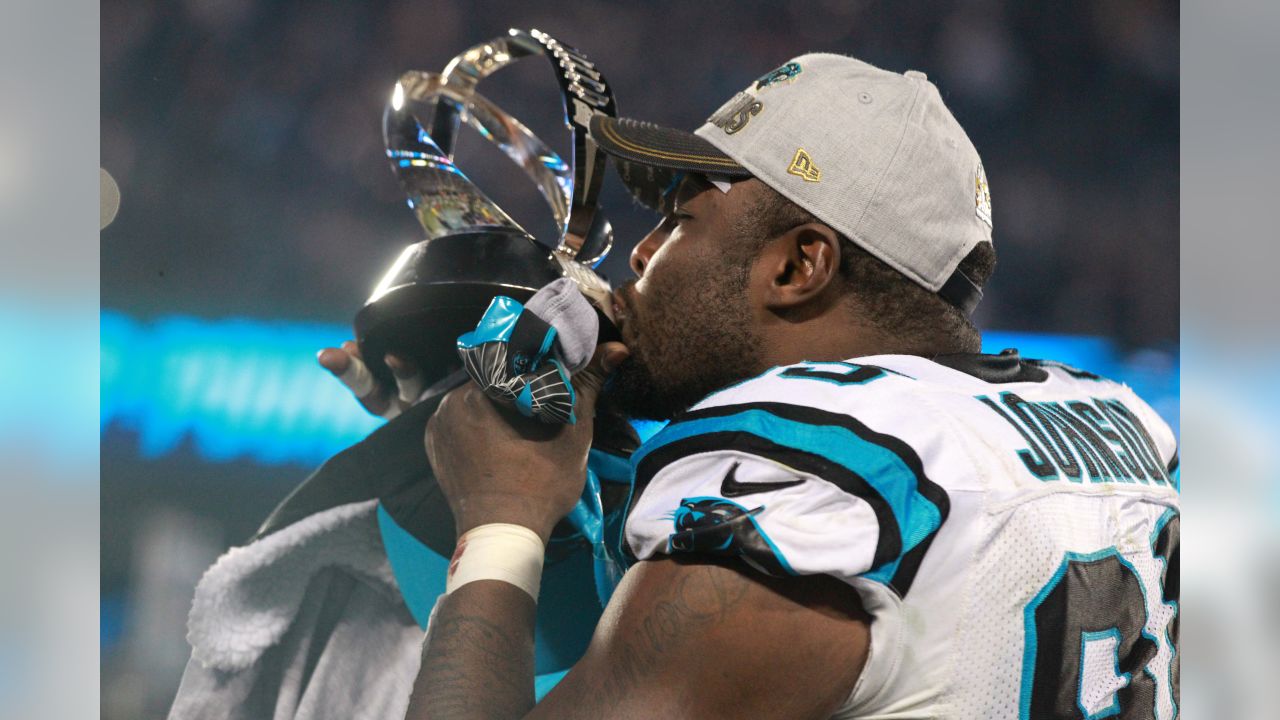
(1084, 439)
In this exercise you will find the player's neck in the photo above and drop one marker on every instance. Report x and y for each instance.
(814, 342)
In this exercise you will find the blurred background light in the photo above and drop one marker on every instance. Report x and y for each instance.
(108, 198)
(251, 389)
(237, 388)
(48, 389)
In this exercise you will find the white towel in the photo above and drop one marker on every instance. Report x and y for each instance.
(304, 624)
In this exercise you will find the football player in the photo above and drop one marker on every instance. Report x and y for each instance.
(852, 512)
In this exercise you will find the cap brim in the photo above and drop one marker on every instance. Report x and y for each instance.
(651, 158)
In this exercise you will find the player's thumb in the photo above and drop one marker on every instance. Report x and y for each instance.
(589, 381)
(348, 369)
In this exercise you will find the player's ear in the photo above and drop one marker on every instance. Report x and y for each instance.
(801, 265)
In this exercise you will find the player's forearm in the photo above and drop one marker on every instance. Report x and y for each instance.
(478, 659)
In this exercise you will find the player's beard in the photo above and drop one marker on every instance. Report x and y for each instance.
(689, 335)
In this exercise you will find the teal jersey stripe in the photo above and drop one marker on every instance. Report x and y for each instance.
(883, 470)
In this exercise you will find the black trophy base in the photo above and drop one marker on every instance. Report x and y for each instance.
(441, 291)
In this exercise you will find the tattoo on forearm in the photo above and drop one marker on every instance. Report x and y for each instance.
(700, 598)
(474, 668)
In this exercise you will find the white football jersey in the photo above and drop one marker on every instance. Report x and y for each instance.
(1011, 525)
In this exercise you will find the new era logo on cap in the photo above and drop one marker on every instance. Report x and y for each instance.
(802, 165)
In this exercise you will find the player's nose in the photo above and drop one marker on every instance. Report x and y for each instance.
(645, 249)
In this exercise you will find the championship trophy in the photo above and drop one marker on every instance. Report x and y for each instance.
(473, 251)
(322, 573)
(474, 256)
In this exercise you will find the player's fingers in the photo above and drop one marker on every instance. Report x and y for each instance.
(359, 379)
(409, 382)
(334, 360)
(353, 373)
(612, 354)
(588, 381)
(352, 348)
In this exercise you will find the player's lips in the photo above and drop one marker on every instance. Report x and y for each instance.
(623, 312)
(619, 306)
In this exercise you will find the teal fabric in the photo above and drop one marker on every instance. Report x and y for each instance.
(574, 589)
(495, 325)
(542, 684)
(568, 608)
(419, 571)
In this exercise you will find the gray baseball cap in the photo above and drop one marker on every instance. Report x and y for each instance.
(874, 154)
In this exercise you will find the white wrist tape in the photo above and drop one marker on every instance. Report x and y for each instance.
(410, 388)
(510, 553)
(358, 378)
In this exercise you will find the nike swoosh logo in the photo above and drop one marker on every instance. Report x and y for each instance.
(730, 487)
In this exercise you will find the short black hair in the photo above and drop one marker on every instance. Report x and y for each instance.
(920, 322)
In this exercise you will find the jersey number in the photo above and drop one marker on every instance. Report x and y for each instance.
(840, 373)
(1090, 647)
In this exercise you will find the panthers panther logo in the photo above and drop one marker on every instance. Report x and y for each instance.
(716, 526)
(786, 73)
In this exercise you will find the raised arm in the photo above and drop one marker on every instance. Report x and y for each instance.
(703, 637)
(697, 640)
(680, 639)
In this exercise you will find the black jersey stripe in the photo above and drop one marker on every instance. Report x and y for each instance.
(890, 543)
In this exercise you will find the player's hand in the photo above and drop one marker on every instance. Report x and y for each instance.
(495, 466)
(346, 364)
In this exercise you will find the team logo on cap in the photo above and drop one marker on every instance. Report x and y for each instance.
(786, 73)
(802, 166)
(982, 196)
(735, 114)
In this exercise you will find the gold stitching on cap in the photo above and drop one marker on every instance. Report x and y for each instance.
(613, 136)
(802, 166)
(982, 196)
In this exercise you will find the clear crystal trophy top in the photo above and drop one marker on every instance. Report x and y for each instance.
(439, 287)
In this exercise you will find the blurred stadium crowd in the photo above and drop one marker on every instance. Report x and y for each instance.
(244, 136)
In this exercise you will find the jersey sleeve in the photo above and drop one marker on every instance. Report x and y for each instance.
(791, 487)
